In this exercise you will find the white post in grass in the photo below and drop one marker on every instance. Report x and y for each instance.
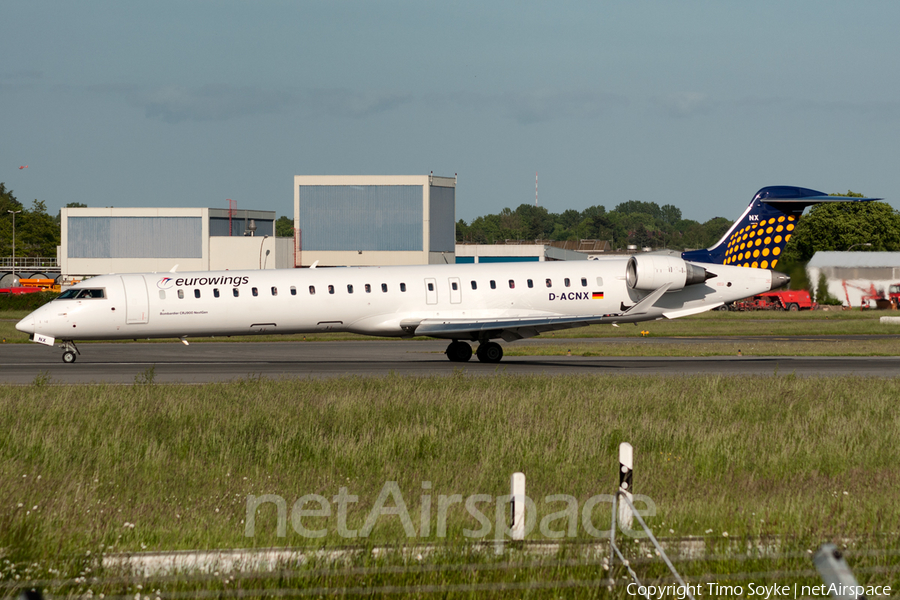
(836, 573)
(626, 470)
(517, 506)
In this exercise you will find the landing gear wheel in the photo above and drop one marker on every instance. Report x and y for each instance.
(489, 352)
(459, 351)
(70, 351)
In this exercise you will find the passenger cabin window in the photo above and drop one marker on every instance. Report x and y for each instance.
(215, 292)
(493, 284)
(330, 289)
(430, 287)
(236, 292)
(255, 291)
(196, 293)
(599, 281)
(274, 291)
(384, 287)
(402, 287)
(531, 283)
(454, 286)
(549, 283)
(566, 282)
(368, 289)
(349, 288)
(162, 294)
(312, 290)
(512, 284)
(181, 294)
(293, 291)
(584, 282)
(474, 286)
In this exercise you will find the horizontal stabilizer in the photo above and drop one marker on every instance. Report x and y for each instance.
(676, 314)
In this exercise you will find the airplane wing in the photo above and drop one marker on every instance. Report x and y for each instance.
(516, 328)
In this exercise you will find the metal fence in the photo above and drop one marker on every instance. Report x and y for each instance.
(29, 263)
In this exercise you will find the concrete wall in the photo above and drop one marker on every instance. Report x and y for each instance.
(235, 253)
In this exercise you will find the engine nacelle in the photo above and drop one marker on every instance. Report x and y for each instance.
(652, 271)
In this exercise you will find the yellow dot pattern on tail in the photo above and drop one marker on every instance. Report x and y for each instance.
(758, 245)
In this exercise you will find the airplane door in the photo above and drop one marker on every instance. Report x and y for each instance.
(137, 304)
(431, 296)
(455, 291)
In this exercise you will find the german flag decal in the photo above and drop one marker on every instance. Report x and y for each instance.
(597, 296)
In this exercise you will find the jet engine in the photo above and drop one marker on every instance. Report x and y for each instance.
(652, 271)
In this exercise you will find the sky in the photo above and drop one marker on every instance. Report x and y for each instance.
(694, 103)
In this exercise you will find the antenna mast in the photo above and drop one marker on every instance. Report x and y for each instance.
(232, 205)
(535, 189)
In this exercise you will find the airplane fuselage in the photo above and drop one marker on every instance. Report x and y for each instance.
(383, 301)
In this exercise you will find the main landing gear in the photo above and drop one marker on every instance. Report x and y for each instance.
(70, 351)
(489, 352)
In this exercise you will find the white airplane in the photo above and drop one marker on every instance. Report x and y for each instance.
(462, 303)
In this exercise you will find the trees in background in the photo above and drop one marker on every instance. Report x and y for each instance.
(37, 233)
(837, 226)
(284, 227)
(630, 223)
(840, 226)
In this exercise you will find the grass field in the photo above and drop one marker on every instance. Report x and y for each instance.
(87, 470)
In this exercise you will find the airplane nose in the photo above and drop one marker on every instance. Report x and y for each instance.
(26, 325)
(779, 279)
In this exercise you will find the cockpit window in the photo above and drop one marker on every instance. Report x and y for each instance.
(82, 293)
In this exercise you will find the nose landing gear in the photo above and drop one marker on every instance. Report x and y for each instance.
(70, 351)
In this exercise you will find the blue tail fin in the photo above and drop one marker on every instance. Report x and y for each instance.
(759, 236)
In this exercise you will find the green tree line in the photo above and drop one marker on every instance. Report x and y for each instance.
(37, 233)
(629, 223)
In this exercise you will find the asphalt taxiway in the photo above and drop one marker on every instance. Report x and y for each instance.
(173, 362)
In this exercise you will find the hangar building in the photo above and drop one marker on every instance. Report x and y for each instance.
(852, 277)
(355, 220)
(135, 240)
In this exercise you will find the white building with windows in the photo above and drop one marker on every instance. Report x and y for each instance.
(96, 241)
(358, 220)
(855, 278)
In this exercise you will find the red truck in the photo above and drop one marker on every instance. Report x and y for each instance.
(792, 300)
(894, 294)
(20, 290)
